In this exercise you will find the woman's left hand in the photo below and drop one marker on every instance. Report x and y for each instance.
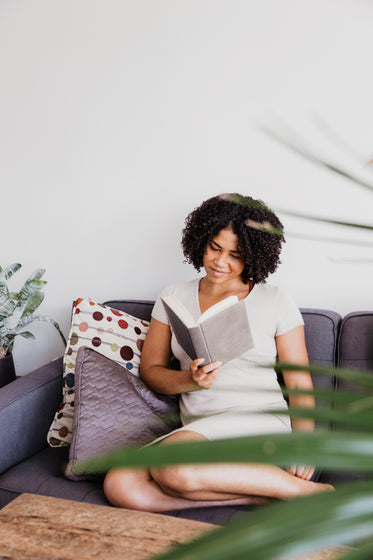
(302, 471)
(204, 376)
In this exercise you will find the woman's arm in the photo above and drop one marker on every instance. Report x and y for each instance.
(154, 370)
(291, 348)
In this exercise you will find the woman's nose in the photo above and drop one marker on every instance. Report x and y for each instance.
(220, 259)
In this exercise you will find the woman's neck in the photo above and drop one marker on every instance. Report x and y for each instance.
(210, 292)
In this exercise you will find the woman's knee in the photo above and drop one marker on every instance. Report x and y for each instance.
(125, 488)
(177, 481)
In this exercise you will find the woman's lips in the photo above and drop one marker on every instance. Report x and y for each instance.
(218, 272)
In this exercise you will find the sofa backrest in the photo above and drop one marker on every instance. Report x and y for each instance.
(321, 329)
(136, 307)
(355, 345)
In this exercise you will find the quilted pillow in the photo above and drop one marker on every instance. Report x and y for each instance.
(110, 332)
(114, 409)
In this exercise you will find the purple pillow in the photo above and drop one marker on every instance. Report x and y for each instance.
(114, 408)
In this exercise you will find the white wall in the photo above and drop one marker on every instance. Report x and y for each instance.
(118, 117)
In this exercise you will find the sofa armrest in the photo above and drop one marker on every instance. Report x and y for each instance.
(27, 408)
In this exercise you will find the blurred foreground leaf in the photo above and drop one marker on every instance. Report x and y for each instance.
(343, 451)
(292, 529)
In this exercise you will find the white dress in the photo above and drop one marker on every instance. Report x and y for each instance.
(234, 406)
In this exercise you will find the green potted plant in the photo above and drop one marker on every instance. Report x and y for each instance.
(17, 312)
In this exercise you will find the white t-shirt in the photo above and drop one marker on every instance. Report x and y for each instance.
(243, 384)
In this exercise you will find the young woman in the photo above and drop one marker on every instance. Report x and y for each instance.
(237, 240)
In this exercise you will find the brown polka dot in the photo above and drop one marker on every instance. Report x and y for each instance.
(96, 341)
(98, 316)
(123, 324)
(137, 330)
(62, 432)
(126, 353)
(139, 344)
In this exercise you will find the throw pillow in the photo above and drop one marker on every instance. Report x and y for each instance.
(110, 332)
(113, 408)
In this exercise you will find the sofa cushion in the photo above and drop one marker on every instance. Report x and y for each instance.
(113, 408)
(43, 474)
(110, 332)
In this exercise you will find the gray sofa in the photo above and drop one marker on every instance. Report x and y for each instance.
(27, 407)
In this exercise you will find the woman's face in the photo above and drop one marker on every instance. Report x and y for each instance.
(222, 260)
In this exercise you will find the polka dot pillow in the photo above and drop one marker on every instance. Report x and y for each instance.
(113, 334)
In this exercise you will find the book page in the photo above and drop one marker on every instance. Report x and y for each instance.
(218, 308)
(181, 311)
(228, 335)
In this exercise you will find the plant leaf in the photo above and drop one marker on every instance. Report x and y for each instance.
(326, 220)
(54, 323)
(340, 451)
(311, 157)
(358, 377)
(26, 334)
(33, 303)
(8, 272)
(289, 529)
(28, 291)
(7, 306)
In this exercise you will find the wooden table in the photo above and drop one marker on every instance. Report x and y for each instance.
(44, 528)
(36, 527)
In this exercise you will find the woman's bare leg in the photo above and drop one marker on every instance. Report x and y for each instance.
(135, 489)
(188, 486)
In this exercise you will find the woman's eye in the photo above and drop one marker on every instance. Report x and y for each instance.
(237, 257)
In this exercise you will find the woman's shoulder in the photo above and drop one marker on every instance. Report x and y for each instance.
(273, 292)
(269, 290)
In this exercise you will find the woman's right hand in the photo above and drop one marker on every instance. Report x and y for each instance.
(204, 376)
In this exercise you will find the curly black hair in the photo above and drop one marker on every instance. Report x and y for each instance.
(259, 232)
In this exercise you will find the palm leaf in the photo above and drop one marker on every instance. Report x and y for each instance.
(289, 529)
(356, 419)
(363, 378)
(326, 220)
(315, 159)
(342, 450)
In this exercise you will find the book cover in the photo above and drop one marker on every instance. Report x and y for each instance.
(221, 333)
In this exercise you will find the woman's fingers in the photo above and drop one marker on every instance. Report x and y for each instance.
(204, 376)
(302, 471)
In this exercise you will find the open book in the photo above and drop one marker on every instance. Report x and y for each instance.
(221, 333)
